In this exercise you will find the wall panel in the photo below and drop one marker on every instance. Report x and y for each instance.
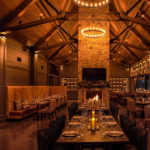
(2, 78)
(18, 64)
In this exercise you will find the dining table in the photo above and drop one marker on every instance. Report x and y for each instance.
(78, 132)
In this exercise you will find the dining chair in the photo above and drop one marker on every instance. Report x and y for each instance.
(131, 107)
(147, 116)
(47, 140)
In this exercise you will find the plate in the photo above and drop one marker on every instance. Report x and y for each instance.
(75, 124)
(76, 117)
(111, 124)
(70, 133)
(107, 117)
(102, 105)
(114, 133)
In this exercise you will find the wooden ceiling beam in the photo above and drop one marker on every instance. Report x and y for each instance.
(136, 20)
(132, 29)
(132, 46)
(57, 52)
(55, 24)
(132, 7)
(119, 63)
(132, 53)
(144, 40)
(54, 8)
(53, 30)
(55, 45)
(33, 23)
(16, 12)
(44, 38)
(120, 56)
(130, 19)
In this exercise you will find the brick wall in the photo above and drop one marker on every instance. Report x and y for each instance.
(93, 52)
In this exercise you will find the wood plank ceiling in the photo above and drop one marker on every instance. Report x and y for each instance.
(51, 27)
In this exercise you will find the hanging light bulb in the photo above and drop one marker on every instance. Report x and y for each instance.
(91, 3)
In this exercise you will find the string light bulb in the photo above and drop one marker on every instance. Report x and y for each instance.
(91, 3)
(88, 32)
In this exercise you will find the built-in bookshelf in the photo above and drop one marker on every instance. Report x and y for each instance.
(119, 84)
(72, 87)
(140, 68)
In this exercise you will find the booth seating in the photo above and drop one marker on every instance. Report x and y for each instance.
(55, 103)
(23, 101)
(20, 114)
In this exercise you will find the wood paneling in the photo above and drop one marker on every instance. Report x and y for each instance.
(2, 78)
(29, 93)
(18, 64)
(17, 76)
(117, 70)
(70, 70)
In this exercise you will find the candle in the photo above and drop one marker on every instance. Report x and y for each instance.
(92, 103)
(102, 96)
(93, 123)
(93, 113)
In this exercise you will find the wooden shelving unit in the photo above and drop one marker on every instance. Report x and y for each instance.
(72, 87)
(53, 75)
(140, 69)
(119, 84)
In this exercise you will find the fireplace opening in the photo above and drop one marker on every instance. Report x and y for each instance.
(93, 93)
(94, 74)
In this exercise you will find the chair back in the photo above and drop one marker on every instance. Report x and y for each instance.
(131, 107)
(147, 111)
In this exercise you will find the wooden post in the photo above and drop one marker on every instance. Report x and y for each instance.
(102, 96)
(84, 96)
(2, 78)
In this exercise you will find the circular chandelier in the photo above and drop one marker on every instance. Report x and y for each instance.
(91, 3)
(93, 32)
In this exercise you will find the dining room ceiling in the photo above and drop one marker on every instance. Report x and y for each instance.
(50, 27)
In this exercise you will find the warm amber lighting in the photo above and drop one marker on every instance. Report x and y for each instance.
(91, 3)
(93, 113)
(93, 123)
(93, 32)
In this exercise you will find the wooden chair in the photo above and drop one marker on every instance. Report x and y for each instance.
(131, 107)
(147, 116)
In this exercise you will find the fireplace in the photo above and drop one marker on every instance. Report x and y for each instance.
(92, 93)
(94, 74)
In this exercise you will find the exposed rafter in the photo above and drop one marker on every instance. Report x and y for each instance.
(54, 8)
(33, 23)
(55, 45)
(132, 46)
(54, 30)
(131, 53)
(16, 12)
(57, 52)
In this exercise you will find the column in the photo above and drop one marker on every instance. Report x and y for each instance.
(2, 77)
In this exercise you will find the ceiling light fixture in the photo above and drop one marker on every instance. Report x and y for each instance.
(93, 32)
(91, 3)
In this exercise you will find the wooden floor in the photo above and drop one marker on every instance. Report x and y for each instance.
(22, 135)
